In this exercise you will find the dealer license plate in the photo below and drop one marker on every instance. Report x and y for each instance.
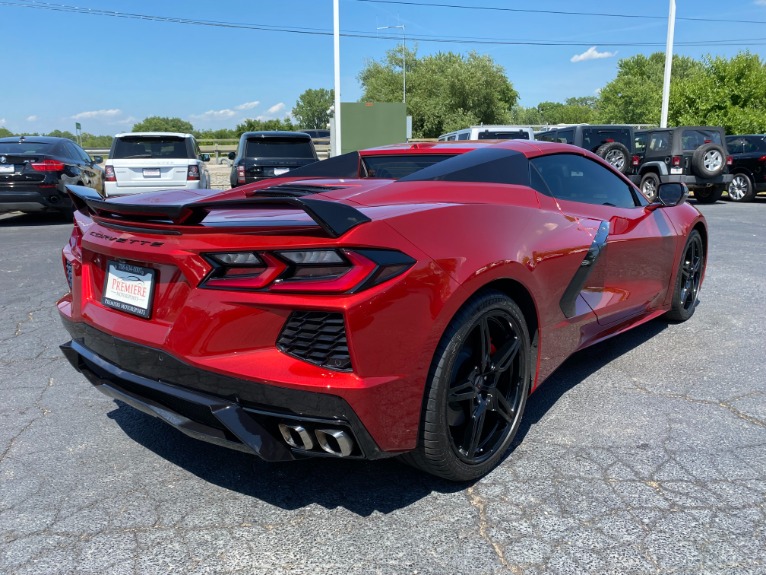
(7, 168)
(280, 171)
(129, 288)
(151, 172)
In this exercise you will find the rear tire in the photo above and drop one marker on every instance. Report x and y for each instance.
(708, 195)
(741, 189)
(477, 390)
(691, 268)
(650, 184)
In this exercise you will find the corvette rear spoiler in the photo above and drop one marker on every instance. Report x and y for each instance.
(334, 218)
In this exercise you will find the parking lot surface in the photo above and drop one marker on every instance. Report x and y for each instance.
(644, 454)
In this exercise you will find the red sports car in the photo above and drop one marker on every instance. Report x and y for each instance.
(325, 314)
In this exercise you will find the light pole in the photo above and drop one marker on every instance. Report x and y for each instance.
(668, 65)
(404, 58)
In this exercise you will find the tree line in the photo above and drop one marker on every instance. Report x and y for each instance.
(448, 91)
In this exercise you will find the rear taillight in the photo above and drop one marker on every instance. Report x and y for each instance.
(729, 160)
(762, 159)
(48, 166)
(305, 271)
(635, 161)
(109, 175)
(192, 174)
(240, 174)
(675, 161)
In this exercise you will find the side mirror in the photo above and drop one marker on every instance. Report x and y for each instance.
(232, 155)
(672, 194)
(98, 159)
(204, 157)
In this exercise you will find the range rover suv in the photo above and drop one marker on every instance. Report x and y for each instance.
(262, 155)
(694, 155)
(151, 161)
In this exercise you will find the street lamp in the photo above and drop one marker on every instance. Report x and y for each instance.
(404, 58)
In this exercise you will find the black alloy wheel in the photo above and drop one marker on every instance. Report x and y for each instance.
(690, 272)
(478, 389)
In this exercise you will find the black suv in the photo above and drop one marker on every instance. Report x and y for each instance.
(262, 155)
(748, 167)
(694, 155)
(613, 142)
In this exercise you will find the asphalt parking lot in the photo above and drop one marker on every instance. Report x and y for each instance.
(644, 454)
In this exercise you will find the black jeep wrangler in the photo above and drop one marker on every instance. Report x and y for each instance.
(694, 155)
(613, 142)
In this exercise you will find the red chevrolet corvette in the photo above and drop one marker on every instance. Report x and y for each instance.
(333, 314)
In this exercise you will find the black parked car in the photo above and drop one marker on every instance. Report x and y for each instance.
(694, 155)
(267, 154)
(748, 167)
(34, 171)
(613, 142)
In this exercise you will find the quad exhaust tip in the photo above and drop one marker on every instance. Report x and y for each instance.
(333, 441)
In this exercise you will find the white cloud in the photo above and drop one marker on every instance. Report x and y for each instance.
(31, 118)
(592, 54)
(760, 2)
(276, 108)
(97, 114)
(2, 121)
(247, 105)
(215, 115)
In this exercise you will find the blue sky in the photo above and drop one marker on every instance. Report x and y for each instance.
(109, 64)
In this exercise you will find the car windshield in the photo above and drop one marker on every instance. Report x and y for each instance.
(24, 148)
(395, 167)
(149, 147)
(279, 148)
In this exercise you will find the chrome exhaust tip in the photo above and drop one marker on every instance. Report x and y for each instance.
(335, 441)
(296, 436)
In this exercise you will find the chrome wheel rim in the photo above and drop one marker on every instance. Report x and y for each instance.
(712, 161)
(738, 187)
(616, 158)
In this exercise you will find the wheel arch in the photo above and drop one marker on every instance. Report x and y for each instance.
(658, 168)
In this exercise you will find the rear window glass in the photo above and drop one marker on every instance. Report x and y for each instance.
(488, 165)
(396, 167)
(593, 139)
(279, 148)
(505, 135)
(693, 139)
(143, 147)
(24, 148)
(744, 145)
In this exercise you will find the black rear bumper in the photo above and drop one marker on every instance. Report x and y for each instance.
(225, 411)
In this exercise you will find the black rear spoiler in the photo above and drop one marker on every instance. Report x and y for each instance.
(333, 217)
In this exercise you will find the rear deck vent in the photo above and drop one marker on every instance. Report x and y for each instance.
(318, 338)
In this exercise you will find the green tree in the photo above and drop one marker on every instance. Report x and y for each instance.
(162, 124)
(254, 125)
(635, 95)
(311, 111)
(729, 93)
(5, 133)
(573, 111)
(445, 91)
(62, 134)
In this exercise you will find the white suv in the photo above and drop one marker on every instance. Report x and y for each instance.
(151, 161)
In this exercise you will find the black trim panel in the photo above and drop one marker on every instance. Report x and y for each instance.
(569, 299)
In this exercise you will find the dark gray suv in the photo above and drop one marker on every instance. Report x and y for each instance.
(694, 155)
(262, 155)
(613, 142)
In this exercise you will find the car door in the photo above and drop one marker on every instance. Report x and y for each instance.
(632, 258)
